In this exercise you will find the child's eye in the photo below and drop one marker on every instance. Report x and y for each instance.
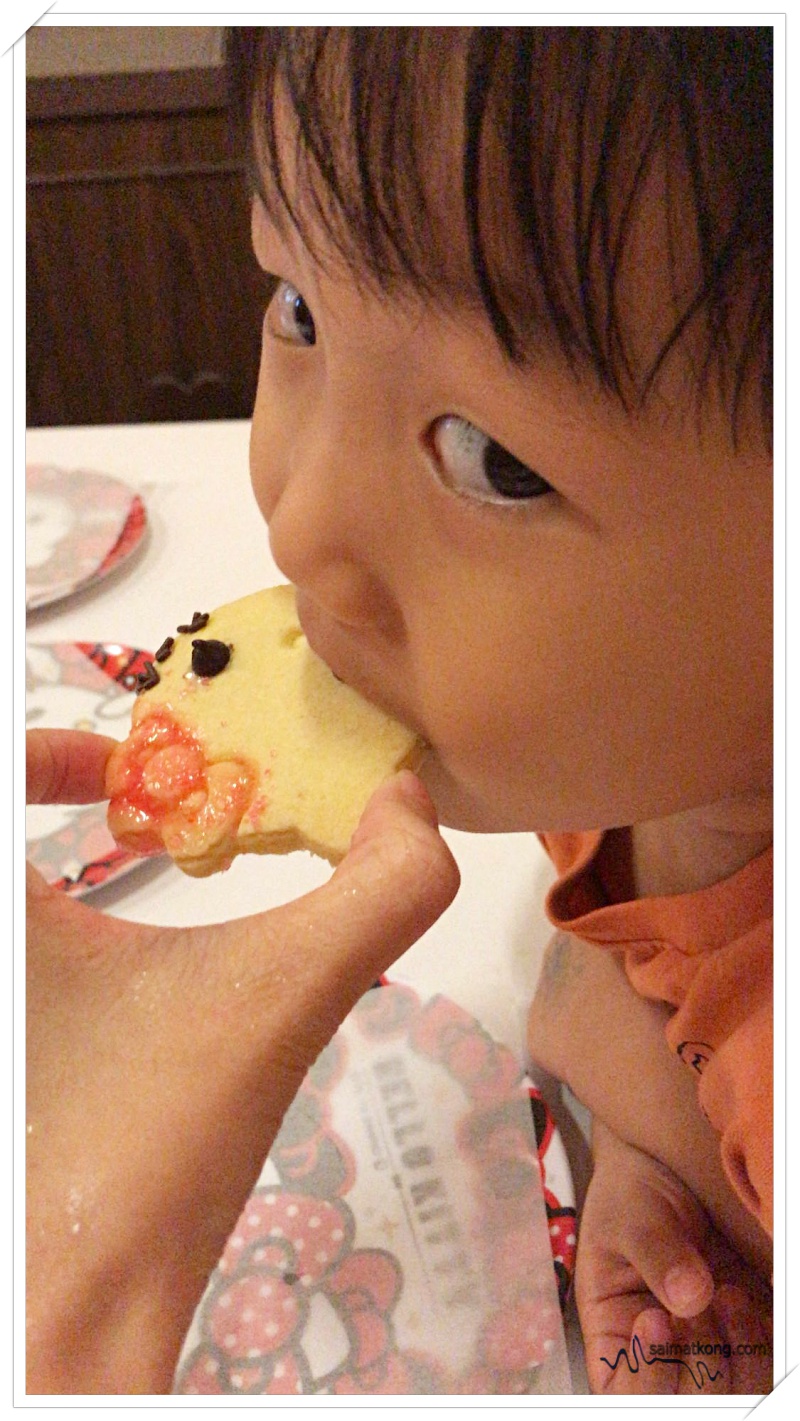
(472, 463)
(289, 317)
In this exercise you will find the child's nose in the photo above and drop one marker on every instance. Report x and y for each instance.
(325, 527)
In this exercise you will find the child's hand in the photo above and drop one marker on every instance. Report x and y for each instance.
(651, 1267)
(589, 1028)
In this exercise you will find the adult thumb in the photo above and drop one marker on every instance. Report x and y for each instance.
(311, 960)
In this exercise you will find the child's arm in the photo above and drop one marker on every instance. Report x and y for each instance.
(589, 1028)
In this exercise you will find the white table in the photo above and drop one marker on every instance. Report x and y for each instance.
(208, 545)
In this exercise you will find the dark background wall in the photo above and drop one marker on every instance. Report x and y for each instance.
(144, 301)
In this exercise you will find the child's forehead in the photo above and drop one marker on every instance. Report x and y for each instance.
(409, 235)
(388, 203)
(540, 174)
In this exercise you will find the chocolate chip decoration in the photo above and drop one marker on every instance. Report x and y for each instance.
(209, 657)
(165, 649)
(199, 620)
(147, 679)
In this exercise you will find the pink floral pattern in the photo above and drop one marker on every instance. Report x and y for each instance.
(289, 1253)
(293, 1257)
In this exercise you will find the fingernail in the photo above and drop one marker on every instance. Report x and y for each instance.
(687, 1290)
(407, 782)
(402, 788)
(406, 786)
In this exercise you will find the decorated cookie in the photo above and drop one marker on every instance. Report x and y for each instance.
(242, 741)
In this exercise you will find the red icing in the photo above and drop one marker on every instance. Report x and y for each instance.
(162, 787)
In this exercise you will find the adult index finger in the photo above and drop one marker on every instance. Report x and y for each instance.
(66, 766)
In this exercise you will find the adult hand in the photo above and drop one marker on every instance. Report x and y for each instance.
(160, 1064)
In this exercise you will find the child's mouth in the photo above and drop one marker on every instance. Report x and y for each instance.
(335, 644)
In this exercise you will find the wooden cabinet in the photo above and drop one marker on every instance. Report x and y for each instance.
(144, 301)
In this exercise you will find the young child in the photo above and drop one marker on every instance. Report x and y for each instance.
(511, 439)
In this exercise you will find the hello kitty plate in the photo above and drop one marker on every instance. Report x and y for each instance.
(412, 1232)
(79, 527)
(78, 686)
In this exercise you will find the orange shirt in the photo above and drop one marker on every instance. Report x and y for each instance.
(709, 955)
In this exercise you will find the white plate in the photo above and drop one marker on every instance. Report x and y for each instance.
(79, 527)
(78, 686)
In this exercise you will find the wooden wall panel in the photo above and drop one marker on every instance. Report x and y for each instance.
(144, 301)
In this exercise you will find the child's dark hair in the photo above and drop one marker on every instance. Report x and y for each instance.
(560, 130)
